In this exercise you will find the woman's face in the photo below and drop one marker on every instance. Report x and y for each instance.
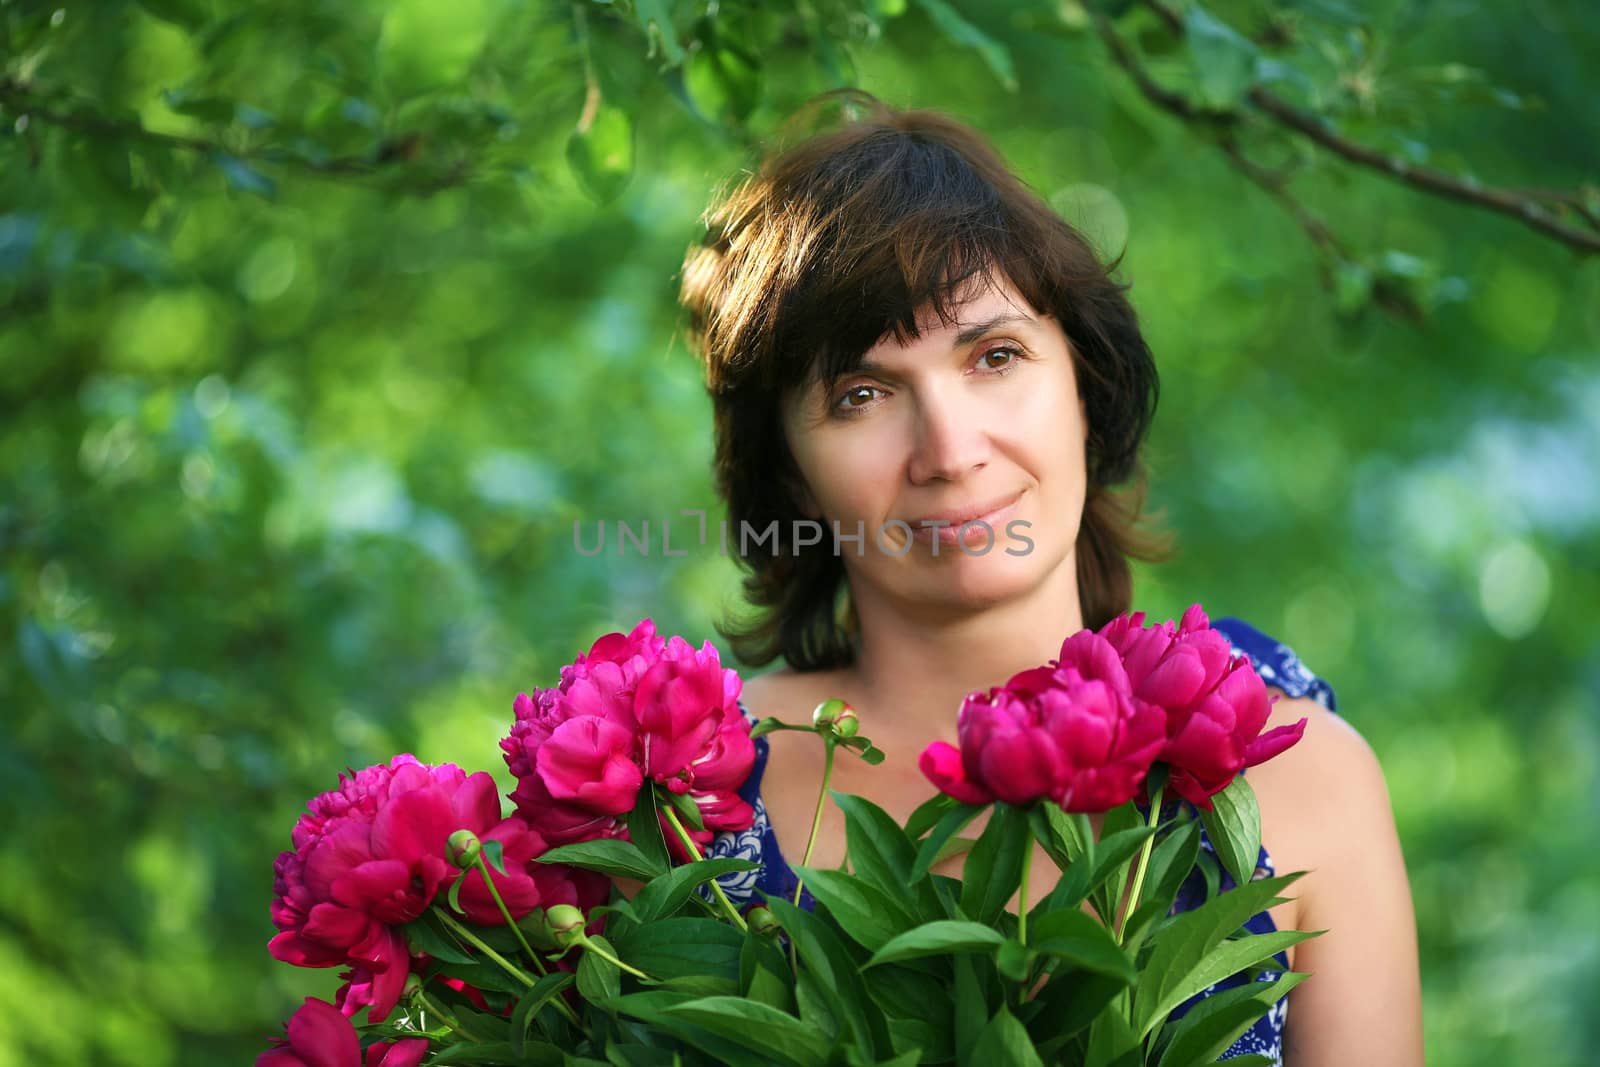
(979, 419)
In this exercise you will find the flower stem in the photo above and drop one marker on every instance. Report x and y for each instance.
(1022, 899)
(478, 943)
(590, 945)
(694, 850)
(449, 1020)
(816, 817)
(505, 913)
(506, 965)
(1144, 862)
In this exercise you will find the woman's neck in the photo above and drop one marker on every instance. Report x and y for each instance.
(913, 667)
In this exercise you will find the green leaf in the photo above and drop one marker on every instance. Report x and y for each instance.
(869, 753)
(688, 811)
(644, 830)
(1112, 1043)
(1170, 975)
(909, 1058)
(865, 912)
(1171, 862)
(1352, 287)
(620, 859)
(1211, 872)
(599, 980)
(654, 1007)
(703, 985)
(667, 892)
(498, 1052)
(759, 1027)
(190, 14)
(600, 153)
(426, 935)
(818, 1005)
(837, 974)
(1067, 837)
(1005, 1041)
(880, 852)
(1080, 939)
(1015, 960)
(1223, 61)
(959, 31)
(484, 975)
(949, 824)
(936, 939)
(205, 108)
(1234, 826)
(971, 1006)
(668, 948)
(528, 1006)
(494, 855)
(772, 724)
(1113, 857)
(1211, 1026)
(453, 898)
(242, 176)
(1071, 1001)
(1238, 954)
(767, 987)
(722, 79)
(655, 19)
(993, 869)
(928, 813)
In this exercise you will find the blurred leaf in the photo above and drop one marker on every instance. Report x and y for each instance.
(655, 19)
(243, 176)
(1223, 62)
(600, 153)
(963, 33)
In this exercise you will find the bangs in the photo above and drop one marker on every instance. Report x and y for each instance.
(921, 235)
(852, 252)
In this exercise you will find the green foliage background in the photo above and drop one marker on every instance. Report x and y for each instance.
(319, 327)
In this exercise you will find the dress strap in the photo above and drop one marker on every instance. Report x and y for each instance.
(1275, 662)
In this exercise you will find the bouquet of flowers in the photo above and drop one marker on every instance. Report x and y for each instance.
(587, 927)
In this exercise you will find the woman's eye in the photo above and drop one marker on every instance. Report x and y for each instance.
(1008, 358)
(863, 393)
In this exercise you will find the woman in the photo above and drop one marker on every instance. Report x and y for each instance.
(898, 334)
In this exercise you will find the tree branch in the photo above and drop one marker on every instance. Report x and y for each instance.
(1526, 209)
(390, 152)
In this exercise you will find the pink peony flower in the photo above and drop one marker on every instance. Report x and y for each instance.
(1215, 703)
(319, 1035)
(1070, 731)
(370, 856)
(588, 761)
(636, 707)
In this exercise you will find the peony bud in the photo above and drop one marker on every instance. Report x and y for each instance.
(838, 716)
(464, 847)
(565, 923)
(847, 723)
(762, 921)
(413, 986)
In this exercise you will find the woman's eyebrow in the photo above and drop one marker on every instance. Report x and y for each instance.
(976, 330)
(966, 336)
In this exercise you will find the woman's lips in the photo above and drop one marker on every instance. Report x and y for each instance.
(976, 534)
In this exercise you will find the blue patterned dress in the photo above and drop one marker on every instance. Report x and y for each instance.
(1277, 665)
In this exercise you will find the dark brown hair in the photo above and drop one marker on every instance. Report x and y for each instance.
(834, 244)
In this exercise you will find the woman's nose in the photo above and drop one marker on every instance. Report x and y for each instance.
(950, 440)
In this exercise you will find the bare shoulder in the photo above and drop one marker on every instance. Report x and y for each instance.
(1325, 806)
(1328, 789)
